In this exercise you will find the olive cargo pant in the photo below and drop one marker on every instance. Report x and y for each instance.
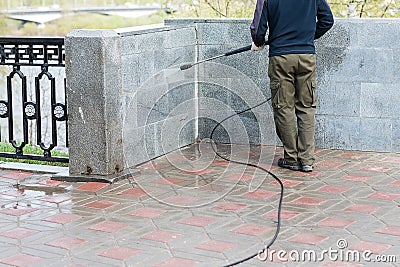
(292, 84)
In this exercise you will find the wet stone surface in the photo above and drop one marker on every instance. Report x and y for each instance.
(191, 208)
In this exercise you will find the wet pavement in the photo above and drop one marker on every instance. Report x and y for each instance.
(191, 209)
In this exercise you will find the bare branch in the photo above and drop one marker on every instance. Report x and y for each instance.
(215, 9)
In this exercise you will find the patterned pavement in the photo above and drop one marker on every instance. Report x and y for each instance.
(191, 209)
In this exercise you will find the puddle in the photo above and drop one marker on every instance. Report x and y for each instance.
(21, 195)
(39, 190)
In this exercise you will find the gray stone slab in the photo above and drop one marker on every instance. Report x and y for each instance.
(376, 134)
(130, 74)
(320, 129)
(173, 57)
(143, 42)
(342, 34)
(342, 132)
(339, 63)
(396, 136)
(221, 33)
(245, 62)
(342, 99)
(379, 100)
(181, 37)
(384, 34)
(376, 64)
(173, 133)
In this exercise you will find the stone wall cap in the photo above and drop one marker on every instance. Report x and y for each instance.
(180, 21)
(92, 33)
(146, 29)
(205, 20)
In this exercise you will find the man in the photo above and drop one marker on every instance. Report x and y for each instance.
(293, 27)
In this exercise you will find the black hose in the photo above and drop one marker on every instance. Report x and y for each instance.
(261, 168)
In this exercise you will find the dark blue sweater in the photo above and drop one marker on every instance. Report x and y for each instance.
(293, 25)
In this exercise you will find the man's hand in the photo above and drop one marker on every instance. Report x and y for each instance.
(256, 48)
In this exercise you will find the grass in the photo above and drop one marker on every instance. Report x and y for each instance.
(32, 150)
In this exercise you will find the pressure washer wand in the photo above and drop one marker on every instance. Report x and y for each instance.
(236, 51)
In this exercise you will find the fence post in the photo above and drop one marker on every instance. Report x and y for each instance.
(94, 89)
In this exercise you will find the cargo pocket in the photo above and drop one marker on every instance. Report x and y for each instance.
(308, 97)
(275, 91)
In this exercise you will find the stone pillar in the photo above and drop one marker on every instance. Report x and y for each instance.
(94, 89)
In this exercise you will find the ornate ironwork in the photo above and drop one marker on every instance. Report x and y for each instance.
(43, 52)
(32, 51)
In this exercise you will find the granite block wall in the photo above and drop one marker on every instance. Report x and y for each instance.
(358, 74)
(129, 101)
(159, 99)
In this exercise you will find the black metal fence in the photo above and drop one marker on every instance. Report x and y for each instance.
(44, 53)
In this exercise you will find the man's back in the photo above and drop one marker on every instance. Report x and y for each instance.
(292, 24)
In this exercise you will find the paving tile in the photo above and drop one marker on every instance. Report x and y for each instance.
(350, 155)
(199, 221)
(240, 176)
(287, 183)
(169, 181)
(92, 186)
(49, 182)
(251, 229)
(17, 211)
(63, 218)
(260, 194)
(214, 187)
(181, 200)
(19, 233)
(329, 163)
(197, 171)
(335, 222)
(390, 230)
(66, 242)
(148, 166)
(16, 175)
(100, 204)
(333, 189)
(375, 169)
(395, 160)
(21, 260)
(230, 206)
(147, 212)
(395, 183)
(57, 199)
(109, 227)
(311, 239)
(360, 208)
(314, 173)
(134, 192)
(312, 201)
(161, 236)
(374, 247)
(222, 163)
(120, 253)
(176, 262)
(285, 215)
(384, 196)
(217, 246)
(13, 193)
(344, 197)
(356, 178)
